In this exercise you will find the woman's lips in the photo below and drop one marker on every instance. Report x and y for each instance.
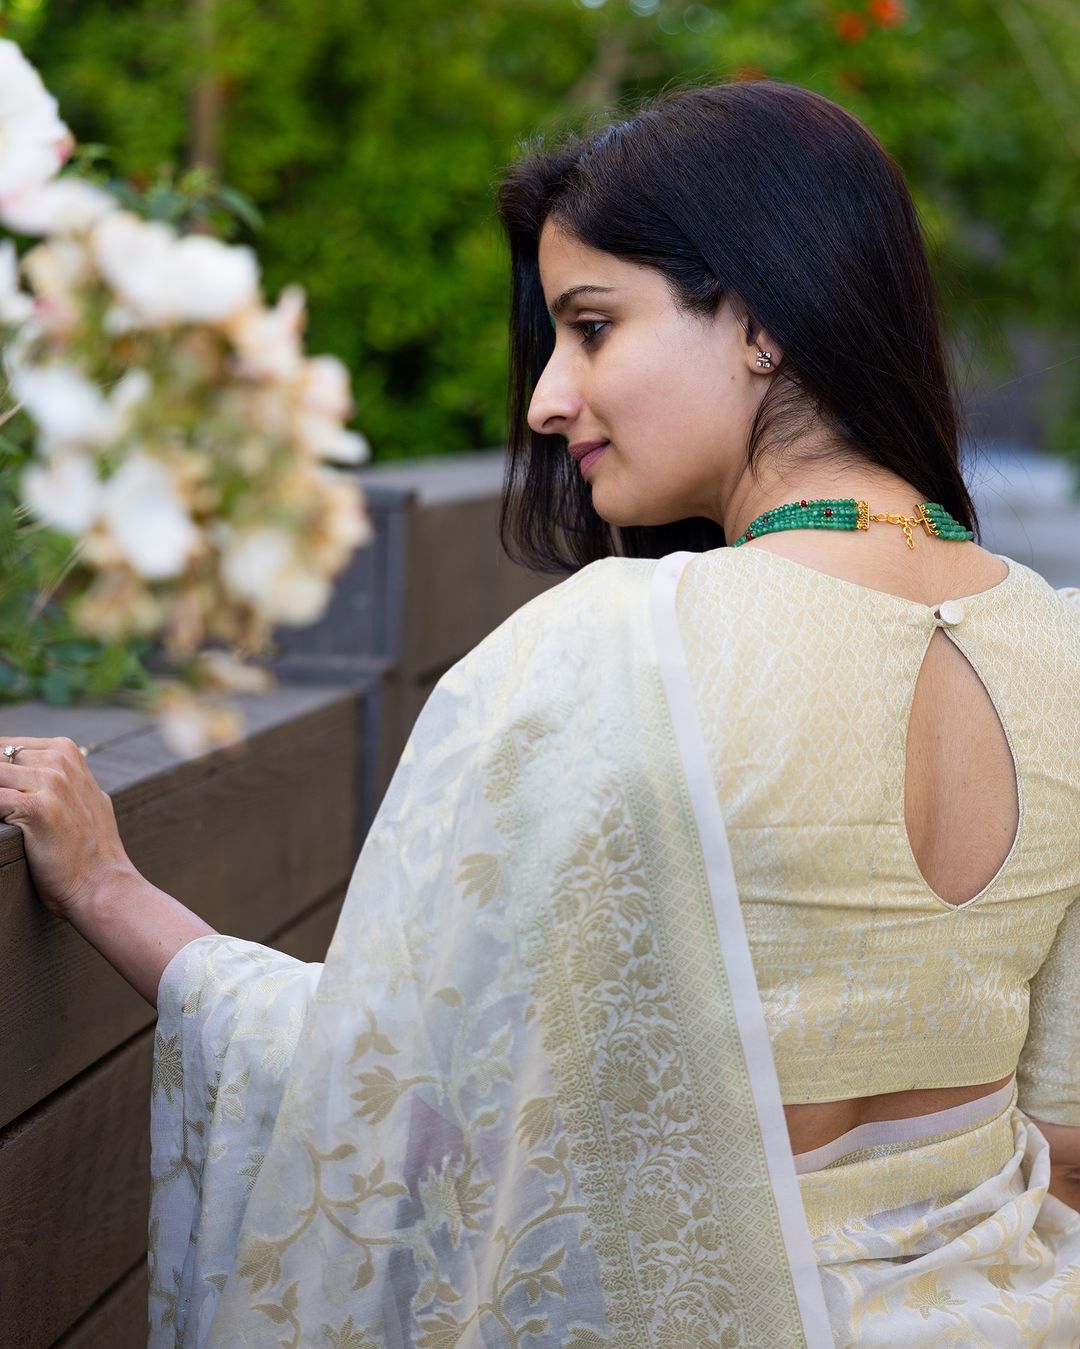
(590, 456)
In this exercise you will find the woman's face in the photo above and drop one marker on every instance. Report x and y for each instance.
(669, 394)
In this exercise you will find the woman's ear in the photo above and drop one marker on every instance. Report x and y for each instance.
(758, 344)
(763, 353)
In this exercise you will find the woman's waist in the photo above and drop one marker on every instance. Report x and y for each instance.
(827, 1132)
(893, 1165)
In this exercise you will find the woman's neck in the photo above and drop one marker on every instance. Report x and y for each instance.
(878, 557)
(885, 492)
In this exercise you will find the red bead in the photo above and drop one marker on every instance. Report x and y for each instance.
(765, 518)
(828, 511)
(802, 503)
(749, 535)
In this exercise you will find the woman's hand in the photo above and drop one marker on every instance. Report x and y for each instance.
(69, 828)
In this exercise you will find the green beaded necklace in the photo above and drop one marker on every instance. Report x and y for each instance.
(851, 514)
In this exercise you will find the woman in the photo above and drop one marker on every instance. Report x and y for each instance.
(680, 996)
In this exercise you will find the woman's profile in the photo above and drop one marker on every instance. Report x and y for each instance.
(710, 974)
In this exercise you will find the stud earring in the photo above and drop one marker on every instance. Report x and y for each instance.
(764, 359)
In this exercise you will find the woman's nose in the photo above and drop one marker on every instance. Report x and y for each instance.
(555, 402)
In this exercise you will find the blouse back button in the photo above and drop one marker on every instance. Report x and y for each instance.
(949, 612)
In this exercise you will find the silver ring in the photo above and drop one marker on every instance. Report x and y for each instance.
(11, 750)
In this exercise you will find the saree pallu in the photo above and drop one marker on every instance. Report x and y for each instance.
(528, 1099)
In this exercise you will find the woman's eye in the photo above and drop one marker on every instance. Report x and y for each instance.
(589, 329)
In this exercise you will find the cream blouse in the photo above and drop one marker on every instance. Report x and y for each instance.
(870, 981)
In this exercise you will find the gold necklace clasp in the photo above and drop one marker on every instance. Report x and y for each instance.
(920, 518)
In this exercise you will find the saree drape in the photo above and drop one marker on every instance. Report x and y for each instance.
(527, 1099)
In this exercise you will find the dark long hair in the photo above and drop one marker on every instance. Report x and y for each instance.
(783, 202)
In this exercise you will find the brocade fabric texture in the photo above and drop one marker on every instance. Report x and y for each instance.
(870, 981)
(511, 1108)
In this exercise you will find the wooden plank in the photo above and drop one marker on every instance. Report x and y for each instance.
(310, 936)
(74, 1185)
(130, 756)
(118, 1321)
(460, 584)
(73, 1213)
(248, 840)
(381, 713)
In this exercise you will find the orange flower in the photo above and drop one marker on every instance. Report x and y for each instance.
(887, 13)
(851, 27)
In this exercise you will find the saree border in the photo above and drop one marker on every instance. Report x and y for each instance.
(735, 952)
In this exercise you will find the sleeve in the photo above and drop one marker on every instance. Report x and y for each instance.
(230, 1012)
(1048, 1073)
(238, 1021)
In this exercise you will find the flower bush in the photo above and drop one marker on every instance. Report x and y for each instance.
(179, 445)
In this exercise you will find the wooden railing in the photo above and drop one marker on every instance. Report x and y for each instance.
(261, 843)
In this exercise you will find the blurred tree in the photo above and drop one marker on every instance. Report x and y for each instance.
(979, 103)
(370, 134)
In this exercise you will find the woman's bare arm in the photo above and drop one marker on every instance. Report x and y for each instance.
(136, 927)
(80, 868)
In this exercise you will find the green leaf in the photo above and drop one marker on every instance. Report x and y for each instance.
(241, 207)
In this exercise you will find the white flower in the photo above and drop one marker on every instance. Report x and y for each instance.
(259, 565)
(65, 206)
(267, 341)
(222, 670)
(191, 725)
(67, 407)
(337, 446)
(133, 387)
(56, 270)
(118, 605)
(342, 522)
(71, 410)
(325, 388)
(64, 492)
(141, 507)
(324, 401)
(15, 306)
(161, 279)
(34, 142)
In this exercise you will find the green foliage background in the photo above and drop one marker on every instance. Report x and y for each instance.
(370, 135)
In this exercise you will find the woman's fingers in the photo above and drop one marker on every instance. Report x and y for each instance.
(37, 744)
(37, 753)
(26, 774)
(68, 823)
(14, 806)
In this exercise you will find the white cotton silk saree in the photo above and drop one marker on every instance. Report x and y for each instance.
(529, 1097)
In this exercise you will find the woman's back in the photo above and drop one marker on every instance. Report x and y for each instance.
(901, 876)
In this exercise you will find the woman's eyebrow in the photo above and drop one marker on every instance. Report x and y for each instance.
(564, 299)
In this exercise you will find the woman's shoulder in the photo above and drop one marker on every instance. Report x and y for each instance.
(1070, 597)
(594, 592)
(583, 610)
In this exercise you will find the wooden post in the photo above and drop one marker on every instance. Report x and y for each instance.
(204, 144)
